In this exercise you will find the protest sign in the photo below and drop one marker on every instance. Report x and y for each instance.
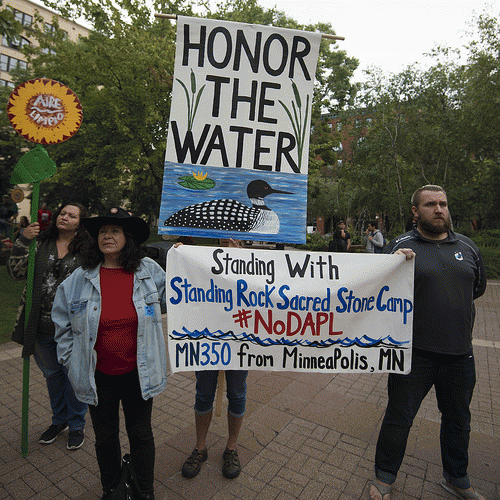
(237, 151)
(231, 308)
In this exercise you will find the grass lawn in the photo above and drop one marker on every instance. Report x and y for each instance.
(10, 296)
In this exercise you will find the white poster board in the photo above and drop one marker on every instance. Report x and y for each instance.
(238, 143)
(232, 308)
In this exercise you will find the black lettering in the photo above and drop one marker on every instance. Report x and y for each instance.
(182, 149)
(237, 98)
(266, 102)
(241, 131)
(211, 44)
(216, 143)
(284, 150)
(194, 46)
(254, 58)
(267, 50)
(299, 56)
(218, 80)
(260, 149)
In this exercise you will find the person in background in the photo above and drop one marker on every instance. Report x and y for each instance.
(110, 338)
(44, 217)
(449, 275)
(8, 215)
(206, 386)
(58, 254)
(23, 222)
(374, 238)
(341, 241)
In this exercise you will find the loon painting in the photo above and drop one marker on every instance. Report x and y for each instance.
(232, 215)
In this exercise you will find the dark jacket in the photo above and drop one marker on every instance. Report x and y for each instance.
(17, 267)
(449, 275)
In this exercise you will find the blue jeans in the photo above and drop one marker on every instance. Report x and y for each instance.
(206, 385)
(454, 378)
(65, 407)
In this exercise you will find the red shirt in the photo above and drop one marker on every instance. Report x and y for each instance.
(116, 343)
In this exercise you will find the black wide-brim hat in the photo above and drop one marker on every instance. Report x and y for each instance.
(118, 217)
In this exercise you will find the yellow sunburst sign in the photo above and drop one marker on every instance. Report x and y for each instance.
(44, 111)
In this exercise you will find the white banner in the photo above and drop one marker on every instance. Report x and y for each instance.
(232, 308)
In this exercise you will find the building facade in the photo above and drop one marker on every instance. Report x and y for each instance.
(11, 55)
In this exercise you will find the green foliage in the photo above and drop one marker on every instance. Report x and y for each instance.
(9, 27)
(488, 241)
(434, 126)
(315, 242)
(122, 74)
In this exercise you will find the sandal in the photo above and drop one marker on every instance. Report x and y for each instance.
(382, 488)
(471, 494)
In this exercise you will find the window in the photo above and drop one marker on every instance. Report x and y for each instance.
(18, 42)
(338, 148)
(10, 63)
(49, 51)
(24, 19)
(339, 126)
(6, 83)
(369, 122)
(50, 29)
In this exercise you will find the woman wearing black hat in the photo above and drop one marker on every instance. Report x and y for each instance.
(110, 337)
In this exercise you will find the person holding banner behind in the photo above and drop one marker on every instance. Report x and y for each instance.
(109, 336)
(58, 253)
(206, 386)
(449, 275)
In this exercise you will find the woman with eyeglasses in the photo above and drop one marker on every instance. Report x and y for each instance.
(58, 254)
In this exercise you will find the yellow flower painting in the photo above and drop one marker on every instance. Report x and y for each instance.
(44, 111)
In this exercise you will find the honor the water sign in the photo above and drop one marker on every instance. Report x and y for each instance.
(238, 141)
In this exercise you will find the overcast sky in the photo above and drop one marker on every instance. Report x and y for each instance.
(390, 34)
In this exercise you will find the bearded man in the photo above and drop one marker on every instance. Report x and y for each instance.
(449, 275)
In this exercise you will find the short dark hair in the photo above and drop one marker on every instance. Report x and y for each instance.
(415, 199)
(373, 223)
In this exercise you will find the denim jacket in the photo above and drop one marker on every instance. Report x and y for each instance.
(76, 313)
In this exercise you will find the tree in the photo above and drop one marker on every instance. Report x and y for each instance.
(122, 74)
(9, 27)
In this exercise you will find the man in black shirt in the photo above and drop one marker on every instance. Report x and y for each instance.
(449, 275)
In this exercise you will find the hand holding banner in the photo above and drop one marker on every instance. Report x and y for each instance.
(292, 311)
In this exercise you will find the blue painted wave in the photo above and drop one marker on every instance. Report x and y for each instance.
(218, 335)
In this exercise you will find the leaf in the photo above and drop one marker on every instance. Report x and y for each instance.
(193, 82)
(297, 95)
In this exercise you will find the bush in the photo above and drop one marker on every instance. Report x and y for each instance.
(315, 242)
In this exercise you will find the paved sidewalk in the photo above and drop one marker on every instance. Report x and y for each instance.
(305, 436)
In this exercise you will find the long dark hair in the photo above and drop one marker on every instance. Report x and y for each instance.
(130, 255)
(81, 241)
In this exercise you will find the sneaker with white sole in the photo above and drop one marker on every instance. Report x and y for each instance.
(75, 439)
(50, 435)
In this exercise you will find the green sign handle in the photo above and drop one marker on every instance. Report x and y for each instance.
(29, 300)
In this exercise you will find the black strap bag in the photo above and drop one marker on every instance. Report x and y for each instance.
(126, 488)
